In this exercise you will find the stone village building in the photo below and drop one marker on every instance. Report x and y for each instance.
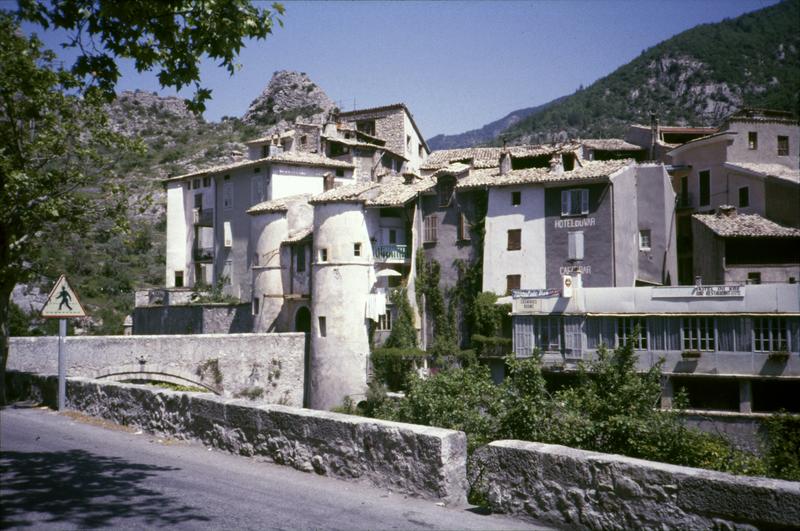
(324, 220)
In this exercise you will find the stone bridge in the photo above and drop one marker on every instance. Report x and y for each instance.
(267, 366)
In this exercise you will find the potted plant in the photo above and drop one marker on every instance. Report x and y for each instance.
(691, 354)
(781, 355)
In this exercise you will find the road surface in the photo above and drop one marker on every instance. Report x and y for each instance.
(68, 471)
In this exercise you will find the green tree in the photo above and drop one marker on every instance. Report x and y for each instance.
(167, 36)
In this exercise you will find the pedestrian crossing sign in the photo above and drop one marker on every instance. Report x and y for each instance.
(62, 301)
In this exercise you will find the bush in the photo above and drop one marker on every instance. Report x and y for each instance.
(782, 455)
(392, 366)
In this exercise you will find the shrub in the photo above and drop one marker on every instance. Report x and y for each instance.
(392, 366)
(782, 455)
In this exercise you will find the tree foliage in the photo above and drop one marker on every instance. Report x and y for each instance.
(167, 36)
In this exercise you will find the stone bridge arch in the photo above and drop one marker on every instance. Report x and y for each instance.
(155, 373)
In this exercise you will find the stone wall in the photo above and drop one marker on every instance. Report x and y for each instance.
(193, 319)
(268, 367)
(415, 460)
(589, 490)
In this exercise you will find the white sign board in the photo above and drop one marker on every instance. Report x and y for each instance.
(62, 301)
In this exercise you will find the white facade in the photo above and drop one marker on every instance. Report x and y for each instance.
(503, 216)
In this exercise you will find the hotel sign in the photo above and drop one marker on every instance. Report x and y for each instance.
(534, 293)
(681, 292)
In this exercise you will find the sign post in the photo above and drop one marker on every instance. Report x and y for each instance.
(62, 303)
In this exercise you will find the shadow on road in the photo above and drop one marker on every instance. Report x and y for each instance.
(83, 489)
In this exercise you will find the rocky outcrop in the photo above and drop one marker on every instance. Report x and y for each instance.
(289, 95)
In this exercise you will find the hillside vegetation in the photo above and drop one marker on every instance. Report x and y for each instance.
(695, 78)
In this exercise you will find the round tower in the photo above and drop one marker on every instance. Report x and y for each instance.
(342, 277)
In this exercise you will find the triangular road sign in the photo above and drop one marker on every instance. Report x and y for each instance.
(62, 301)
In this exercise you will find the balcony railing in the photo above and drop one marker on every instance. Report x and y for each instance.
(203, 217)
(203, 254)
(392, 252)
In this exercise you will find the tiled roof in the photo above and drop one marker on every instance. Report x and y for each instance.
(299, 236)
(263, 139)
(752, 225)
(293, 158)
(610, 144)
(394, 192)
(455, 168)
(277, 205)
(752, 114)
(702, 140)
(348, 192)
(767, 170)
(589, 170)
(489, 157)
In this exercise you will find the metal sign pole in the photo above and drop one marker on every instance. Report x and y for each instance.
(62, 365)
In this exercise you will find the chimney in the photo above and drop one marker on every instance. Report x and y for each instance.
(653, 134)
(728, 211)
(556, 164)
(505, 162)
(275, 149)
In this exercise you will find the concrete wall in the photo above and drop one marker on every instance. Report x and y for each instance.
(589, 490)
(193, 319)
(178, 253)
(414, 460)
(502, 216)
(655, 209)
(781, 199)
(708, 254)
(767, 150)
(270, 362)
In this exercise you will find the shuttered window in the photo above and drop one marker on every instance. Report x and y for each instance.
(515, 239)
(464, 228)
(512, 283)
(574, 202)
(430, 229)
(575, 245)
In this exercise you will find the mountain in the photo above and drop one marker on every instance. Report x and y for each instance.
(488, 132)
(105, 265)
(697, 77)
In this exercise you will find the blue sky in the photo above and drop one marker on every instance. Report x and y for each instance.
(457, 65)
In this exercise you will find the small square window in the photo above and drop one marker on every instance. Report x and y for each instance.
(323, 255)
(512, 283)
(323, 329)
(516, 198)
(178, 279)
(752, 140)
(744, 196)
(340, 172)
(196, 184)
(206, 182)
(356, 249)
(257, 169)
(514, 240)
(226, 178)
(303, 140)
(644, 240)
(754, 277)
(783, 146)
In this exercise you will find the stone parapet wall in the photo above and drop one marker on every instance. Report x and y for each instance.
(193, 319)
(268, 367)
(589, 490)
(416, 460)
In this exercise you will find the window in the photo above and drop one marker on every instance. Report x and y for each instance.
(644, 240)
(196, 184)
(255, 259)
(698, 334)
(574, 202)
(323, 331)
(264, 151)
(744, 196)
(178, 279)
(385, 321)
(430, 229)
(631, 329)
(754, 277)
(464, 227)
(366, 126)
(547, 334)
(226, 272)
(300, 260)
(392, 236)
(783, 146)
(323, 255)
(327, 183)
(752, 140)
(227, 234)
(198, 201)
(303, 140)
(575, 245)
(258, 191)
(514, 240)
(446, 191)
(255, 305)
(227, 195)
(408, 143)
(356, 249)
(226, 178)
(340, 172)
(769, 335)
(705, 188)
(257, 169)
(516, 198)
(206, 182)
(420, 151)
(512, 283)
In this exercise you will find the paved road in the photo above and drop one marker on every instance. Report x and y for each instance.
(66, 471)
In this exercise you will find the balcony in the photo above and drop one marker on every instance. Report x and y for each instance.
(203, 217)
(392, 252)
(203, 254)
